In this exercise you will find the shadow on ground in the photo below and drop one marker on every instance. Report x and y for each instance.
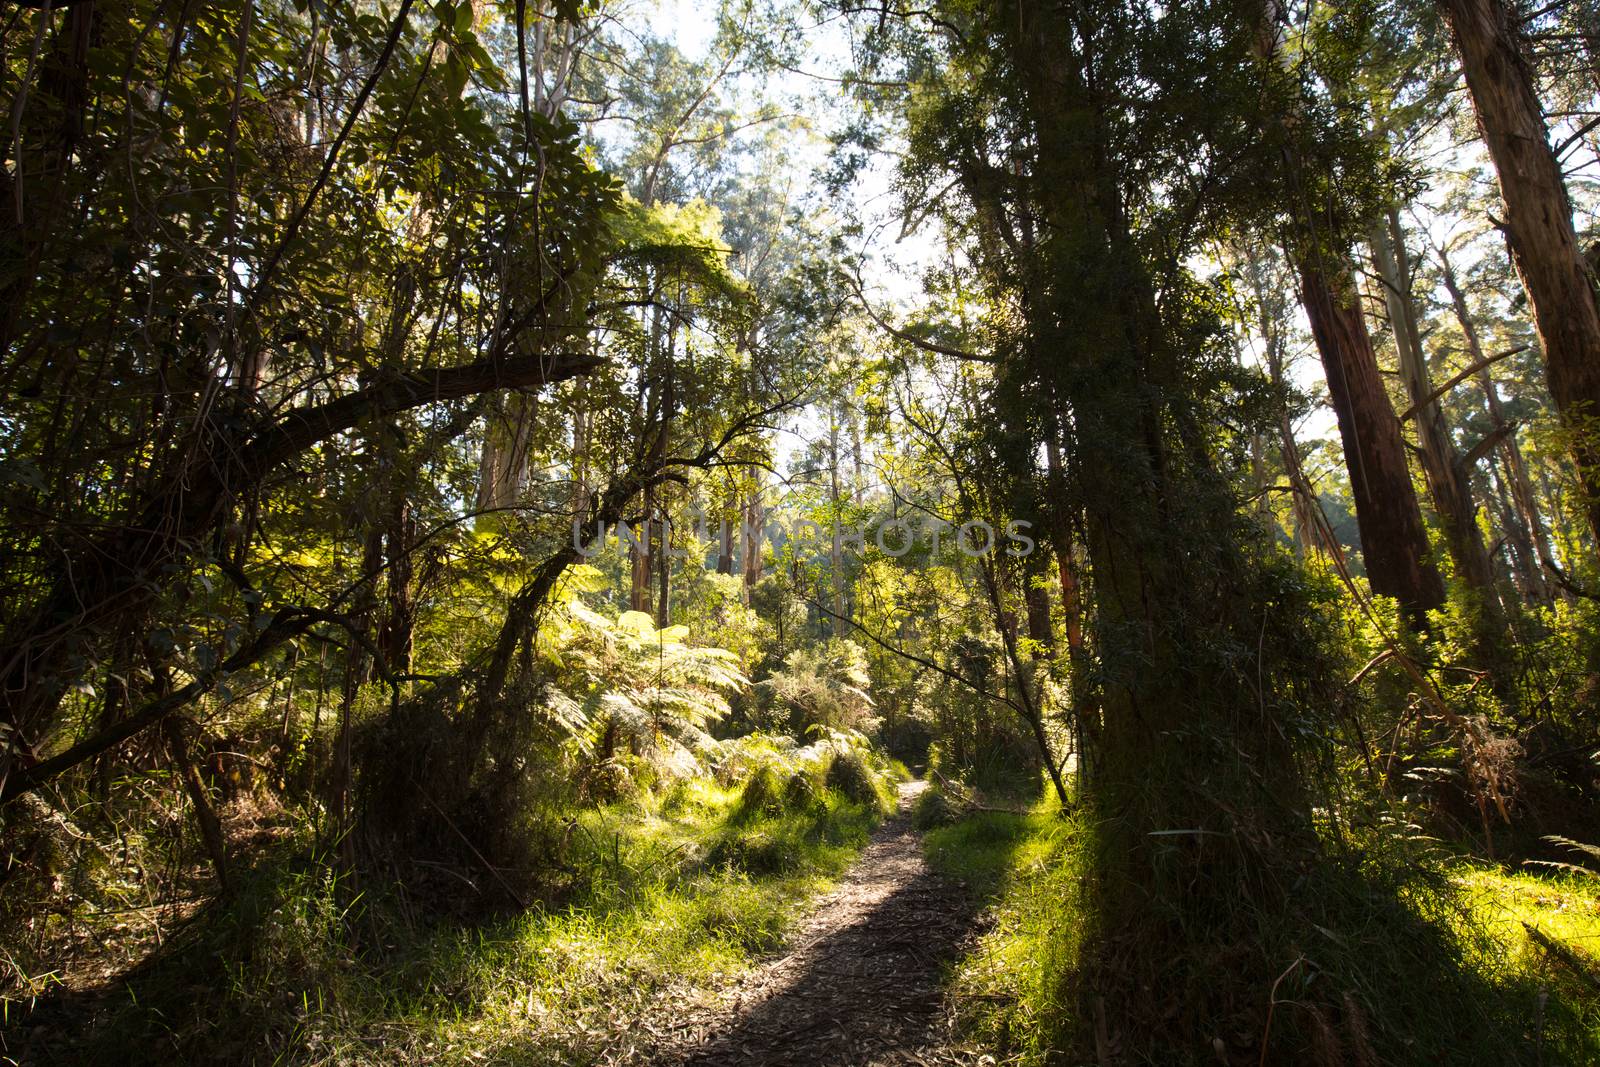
(863, 984)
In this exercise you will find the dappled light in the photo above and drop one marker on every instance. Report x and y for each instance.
(620, 532)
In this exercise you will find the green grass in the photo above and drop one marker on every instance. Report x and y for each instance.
(1435, 949)
(1025, 868)
(1565, 906)
(670, 897)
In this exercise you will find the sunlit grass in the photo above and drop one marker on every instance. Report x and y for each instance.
(668, 898)
(1030, 869)
(1565, 906)
(1008, 990)
(684, 898)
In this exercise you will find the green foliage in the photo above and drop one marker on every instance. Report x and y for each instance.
(825, 687)
(1454, 968)
(225, 225)
(623, 682)
(661, 897)
(802, 790)
(933, 809)
(763, 794)
(849, 774)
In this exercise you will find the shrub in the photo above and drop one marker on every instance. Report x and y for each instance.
(849, 775)
(933, 809)
(761, 795)
(801, 790)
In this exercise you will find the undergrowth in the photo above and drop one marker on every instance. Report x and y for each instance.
(1425, 957)
(665, 893)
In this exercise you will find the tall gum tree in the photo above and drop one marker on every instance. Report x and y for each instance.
(1538, 226)
(1394, 541)
(1196, 789)
(1445, 468)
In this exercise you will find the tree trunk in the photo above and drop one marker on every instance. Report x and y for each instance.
(503, 467)
(1446, 475)
(669, 408)
(639, 555)
(204, 814)
(580, 457)
(1183, 751)
(755, 518)
(1085, 715)
(1394, 544)
(663, 560)
(727, 518)
(396, 640)
(1538, 227)
(1522, 495)
(1061, 534)
(835, 547)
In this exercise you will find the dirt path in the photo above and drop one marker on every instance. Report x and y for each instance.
(860, 981)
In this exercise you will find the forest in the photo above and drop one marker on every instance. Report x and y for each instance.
(818, 532)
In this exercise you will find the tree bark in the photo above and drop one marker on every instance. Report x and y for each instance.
(835, 553)
(663, 558)
(204, 814)
(1167, 577)
(727, 516)
(397, 639)
(1394, 544)
(1539, 231)
(1442, 466)
(751, 537)
(1522, 494)
(1061, 534)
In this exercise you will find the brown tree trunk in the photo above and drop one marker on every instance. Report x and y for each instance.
(727, 518)
(639, 555)
(1522, 495)
(1394, 544)
(1061, 534)
(204, 814)
(580, 458)
(503, 467)
(396, 640)
(835, 533)
(663, 560)
(755, 518)
(1442, 466)
(1544, 246)
(1098, 341)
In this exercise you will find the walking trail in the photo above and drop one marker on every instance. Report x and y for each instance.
(859, 983)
